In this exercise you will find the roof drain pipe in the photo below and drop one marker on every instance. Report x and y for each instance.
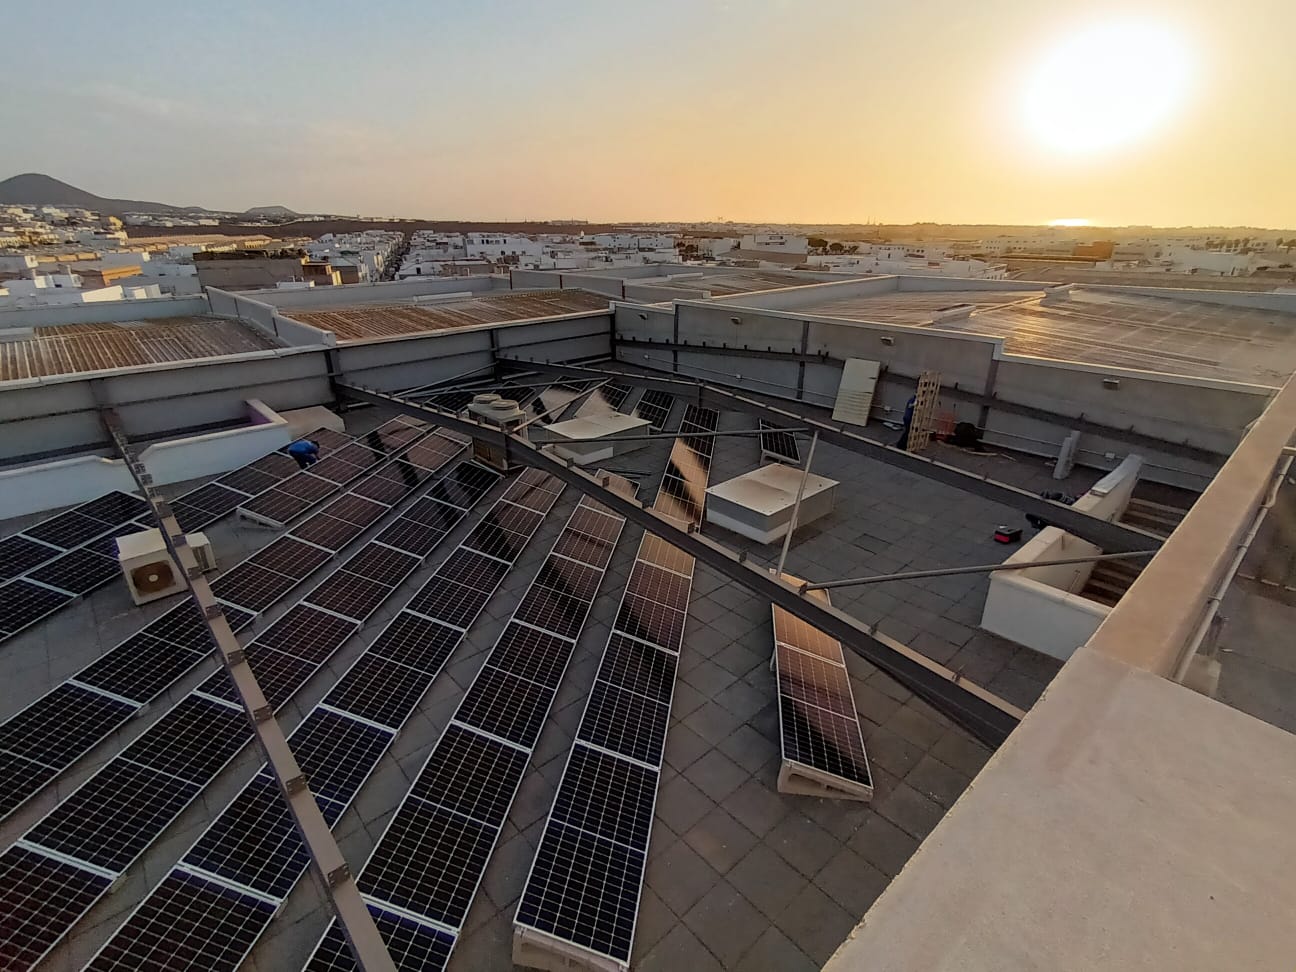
(1244, 545)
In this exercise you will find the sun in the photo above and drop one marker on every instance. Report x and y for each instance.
(1106, 86)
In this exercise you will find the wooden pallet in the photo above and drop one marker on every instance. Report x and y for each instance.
(920, 429)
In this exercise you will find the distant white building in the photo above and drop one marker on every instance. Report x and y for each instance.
(488, 246)
(775, 243)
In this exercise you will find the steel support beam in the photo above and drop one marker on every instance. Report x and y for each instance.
(1111, 537)
(982, 713)
(687, 390)
(1130, 435)
(327, 862)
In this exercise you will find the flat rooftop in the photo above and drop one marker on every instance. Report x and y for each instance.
(723, 282)
(369, 321)
(739, 876)
(1145, 333)
(69, 349)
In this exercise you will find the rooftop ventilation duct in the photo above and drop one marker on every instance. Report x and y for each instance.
(1057, 295)
(955, 312)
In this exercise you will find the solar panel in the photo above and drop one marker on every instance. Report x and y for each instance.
(583, 889)
(108, 821)
(412, 537)
(252, 588)
(63, 724)
(38, 896)
(625, 723)
(141, 667)
(327, 531)
(335, 470)
(607, 796)
(655, 407)
(411, 945)
(126, 805)
(18, 554)
(506, 706)
(278, 675)
(252, 843)
(823, 747)
(250, 481)
(534, 655)
(380, 690)
(23, 603)
(383, 490)
(291, 558)
(474, 570)
(67, 530)
(465, 487)
(382, 564)
(779, 446)
(430, 861)
(213, 924)
(115, 507)
(349, 595)
(54, 731)
(308, 633)
(416, 642)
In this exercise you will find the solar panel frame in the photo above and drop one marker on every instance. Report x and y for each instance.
(654, 407)
(779, 446)
(23, 603)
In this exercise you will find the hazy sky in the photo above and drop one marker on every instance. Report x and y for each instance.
(811, 111)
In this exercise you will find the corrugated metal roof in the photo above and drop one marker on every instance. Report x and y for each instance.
(74, 348)
(392, 320)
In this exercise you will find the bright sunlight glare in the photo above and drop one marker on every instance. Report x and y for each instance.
(1106, 86)
(1070, 221)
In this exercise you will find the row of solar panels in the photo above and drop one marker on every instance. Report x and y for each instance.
(48, 566)
(237, 873)
(585, 883)
(70, 858)
(50, 734)
(421, 879)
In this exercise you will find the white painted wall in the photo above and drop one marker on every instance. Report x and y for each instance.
(1040, 607)
(64, 482)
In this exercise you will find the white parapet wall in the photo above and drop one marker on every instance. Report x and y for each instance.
(64, 482)
(1041, 607)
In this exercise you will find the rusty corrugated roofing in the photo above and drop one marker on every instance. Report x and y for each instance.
(392, 320)
(73, 348)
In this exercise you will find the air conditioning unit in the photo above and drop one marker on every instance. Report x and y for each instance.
(149, 569)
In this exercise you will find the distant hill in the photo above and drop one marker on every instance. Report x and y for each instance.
(278, 212)
(33, 187)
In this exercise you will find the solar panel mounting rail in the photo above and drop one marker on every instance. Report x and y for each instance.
(75, 854)
(427, 867)
(47, 736)
(580, 904)
(250, 854)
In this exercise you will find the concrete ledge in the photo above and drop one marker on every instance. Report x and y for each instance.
(1128, 824)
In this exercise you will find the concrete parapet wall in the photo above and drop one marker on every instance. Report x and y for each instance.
(64, 482)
